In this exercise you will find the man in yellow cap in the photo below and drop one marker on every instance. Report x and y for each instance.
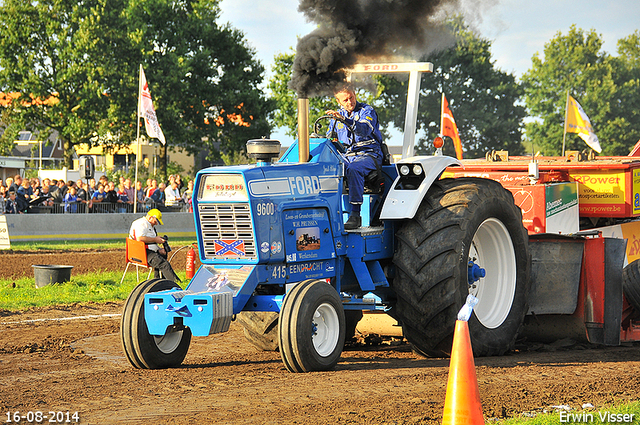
(143, 229)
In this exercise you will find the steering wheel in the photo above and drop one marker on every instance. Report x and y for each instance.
(317, 127)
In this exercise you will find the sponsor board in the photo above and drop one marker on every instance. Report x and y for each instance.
(635, 181)
(562, 211)
(550, 208)
(5, 242)
(601, 192)
(629, 231)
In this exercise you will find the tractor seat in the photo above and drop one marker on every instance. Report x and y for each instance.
(374, 182)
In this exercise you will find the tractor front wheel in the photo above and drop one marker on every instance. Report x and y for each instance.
(312, 327)
(261, 327)
(146, 351)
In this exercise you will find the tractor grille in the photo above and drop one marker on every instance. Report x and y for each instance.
(228, 223)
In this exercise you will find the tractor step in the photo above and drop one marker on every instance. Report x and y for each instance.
(368, 230)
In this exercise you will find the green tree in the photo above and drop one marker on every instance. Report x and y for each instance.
(606, 87)
(85, 57)
(627, 65)
(203, 78)
(484, 100)
(43, 60)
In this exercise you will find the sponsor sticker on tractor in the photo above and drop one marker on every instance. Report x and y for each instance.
(225, 187)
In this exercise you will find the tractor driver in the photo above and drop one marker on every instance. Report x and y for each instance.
(356, 125)
(143, 229)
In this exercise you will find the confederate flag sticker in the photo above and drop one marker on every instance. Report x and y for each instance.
(229, 247)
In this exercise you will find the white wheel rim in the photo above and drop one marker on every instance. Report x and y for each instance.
(168, 342)
(326, 329)
(492, 249)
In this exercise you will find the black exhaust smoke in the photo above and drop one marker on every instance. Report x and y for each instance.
(351, 31)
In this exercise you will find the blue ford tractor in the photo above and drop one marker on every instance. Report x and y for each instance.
(275, 255)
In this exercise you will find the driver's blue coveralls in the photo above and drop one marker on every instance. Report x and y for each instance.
(361, 133)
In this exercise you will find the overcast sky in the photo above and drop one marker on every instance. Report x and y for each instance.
(518, 29)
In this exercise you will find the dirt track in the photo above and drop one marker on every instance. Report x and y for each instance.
(78, 365)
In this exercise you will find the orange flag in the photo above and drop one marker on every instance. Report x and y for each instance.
(448, 127)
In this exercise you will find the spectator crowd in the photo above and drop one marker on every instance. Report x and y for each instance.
(20, 195)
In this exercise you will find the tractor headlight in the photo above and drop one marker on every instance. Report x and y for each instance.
(410, 176)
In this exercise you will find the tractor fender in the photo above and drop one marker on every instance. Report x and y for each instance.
(403, 203)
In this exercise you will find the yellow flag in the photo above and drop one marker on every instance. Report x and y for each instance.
(578, 122)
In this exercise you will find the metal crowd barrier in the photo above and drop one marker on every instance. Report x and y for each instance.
(102, 208)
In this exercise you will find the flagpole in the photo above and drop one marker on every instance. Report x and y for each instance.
(564, 133)
(442, 115)
(135, 184)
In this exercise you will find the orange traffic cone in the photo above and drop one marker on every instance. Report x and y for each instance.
(462, 403)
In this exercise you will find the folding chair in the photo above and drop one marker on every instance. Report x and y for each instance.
(136, 255)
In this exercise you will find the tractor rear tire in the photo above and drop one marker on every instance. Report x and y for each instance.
(462, 220)
(351, 318)
(312, 327)
(143, 350)
(631, 283)
(260, 329)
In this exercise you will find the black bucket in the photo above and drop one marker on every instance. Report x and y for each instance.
(47, 274)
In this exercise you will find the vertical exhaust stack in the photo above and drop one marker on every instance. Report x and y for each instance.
(303, 130)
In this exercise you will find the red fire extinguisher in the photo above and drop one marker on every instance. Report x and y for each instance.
(191, 262)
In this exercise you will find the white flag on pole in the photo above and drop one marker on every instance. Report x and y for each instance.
(146, 111)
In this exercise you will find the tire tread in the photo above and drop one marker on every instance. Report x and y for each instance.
(431, 259)
(138, 344)
(631, 283)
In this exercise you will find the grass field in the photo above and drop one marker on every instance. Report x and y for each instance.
(95, 287)
(625, 414)
(102, 287)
